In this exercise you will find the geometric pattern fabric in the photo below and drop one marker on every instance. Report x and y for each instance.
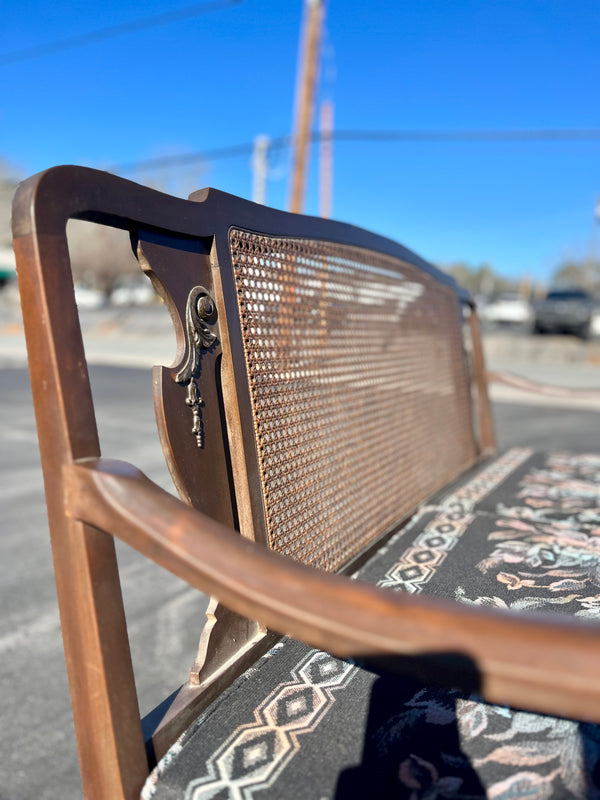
(523, 533)
(254, 756)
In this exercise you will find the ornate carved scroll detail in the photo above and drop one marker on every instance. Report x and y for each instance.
(200, 309)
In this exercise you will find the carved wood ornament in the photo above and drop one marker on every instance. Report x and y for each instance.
(200, 310)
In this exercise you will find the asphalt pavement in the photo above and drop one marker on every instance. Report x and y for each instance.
(164, 615)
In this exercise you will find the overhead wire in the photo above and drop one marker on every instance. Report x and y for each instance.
(282, 142)
(109, 32)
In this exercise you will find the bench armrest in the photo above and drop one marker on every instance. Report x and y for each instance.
(517, 382)
(525, 660)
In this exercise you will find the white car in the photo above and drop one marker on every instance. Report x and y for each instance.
(89, 299)
(133, 294)
(508, 309)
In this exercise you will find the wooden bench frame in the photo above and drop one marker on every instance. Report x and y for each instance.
(546, 666)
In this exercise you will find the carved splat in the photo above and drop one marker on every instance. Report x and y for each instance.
(180, 269)
(181, 272)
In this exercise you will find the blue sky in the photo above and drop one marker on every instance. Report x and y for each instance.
(221, 78)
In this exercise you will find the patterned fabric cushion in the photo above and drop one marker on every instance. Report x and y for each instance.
(523, 533)
(559, 488)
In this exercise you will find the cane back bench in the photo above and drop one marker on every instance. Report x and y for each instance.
(327, 426)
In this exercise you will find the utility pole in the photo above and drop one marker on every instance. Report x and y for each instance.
(326, 159)
(308, 69)
(260, 166)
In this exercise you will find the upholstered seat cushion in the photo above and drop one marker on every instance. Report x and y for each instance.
(302, 724)
(555, 487)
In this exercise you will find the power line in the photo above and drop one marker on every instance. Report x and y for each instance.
(565, 135)
(101, 34)
(183, 159)
(282, 142)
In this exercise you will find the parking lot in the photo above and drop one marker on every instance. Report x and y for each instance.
(164, 615)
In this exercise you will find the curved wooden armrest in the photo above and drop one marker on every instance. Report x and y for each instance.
(517, 382)
(528, 661)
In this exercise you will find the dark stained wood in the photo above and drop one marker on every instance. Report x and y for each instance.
(206, 685)
(46, 201)
(525, 660)
(219, 544)
(202, 475)
(89, 596)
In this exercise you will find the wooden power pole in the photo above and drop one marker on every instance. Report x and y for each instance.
(308, 69)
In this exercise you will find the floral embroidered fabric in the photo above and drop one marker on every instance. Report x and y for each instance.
(524, 533)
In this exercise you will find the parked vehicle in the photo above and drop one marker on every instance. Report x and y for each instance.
(133, 293)
(508, 308)
(565, 311)
(89, 299)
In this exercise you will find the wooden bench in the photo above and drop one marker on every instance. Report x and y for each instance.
(328, 402)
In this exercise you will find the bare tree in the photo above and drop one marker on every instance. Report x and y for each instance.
(578, 272)
(8, 184)
(101, 256)
(480, 280)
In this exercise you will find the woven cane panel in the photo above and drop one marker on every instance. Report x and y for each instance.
(359, 390)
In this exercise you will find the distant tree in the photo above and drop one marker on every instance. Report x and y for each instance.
(486, 279)
(8, 183)
(479, 280)
(100, 256)
(177, 181)
(578, 272)
(462, 274)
